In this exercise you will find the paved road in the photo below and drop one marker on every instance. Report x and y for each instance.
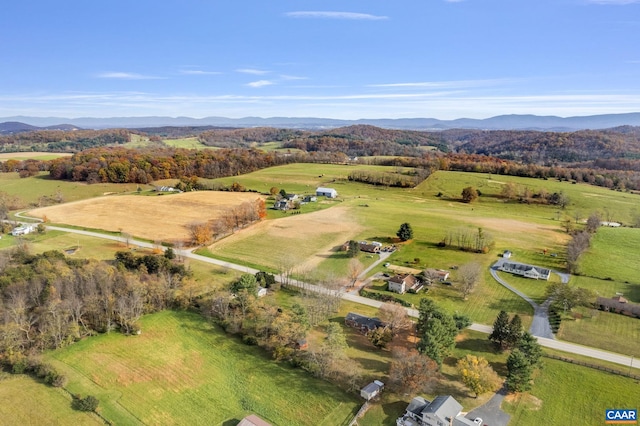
(550, 343)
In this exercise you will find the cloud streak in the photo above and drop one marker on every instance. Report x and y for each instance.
(336, 15)
(127, 76)
(260, 83)
(199, 72)
(252, 71)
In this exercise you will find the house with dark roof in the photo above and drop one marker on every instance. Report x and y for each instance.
(369, 248)
(619, 305)
(362, 323)
(527, 271)
(443, 410)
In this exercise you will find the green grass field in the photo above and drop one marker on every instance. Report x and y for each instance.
(614, 255)
(182, 370)
(567, 394)
(28, 402)
(187, 143)
(30, 189)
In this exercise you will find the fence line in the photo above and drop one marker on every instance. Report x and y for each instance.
(595, 366)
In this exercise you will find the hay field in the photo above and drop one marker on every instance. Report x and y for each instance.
(32, 155)
(306, 239)
(155, 218)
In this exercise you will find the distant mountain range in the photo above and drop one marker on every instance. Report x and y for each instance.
(501, 122)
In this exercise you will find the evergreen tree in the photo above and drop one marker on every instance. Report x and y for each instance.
(437, 341)
(405, 232)
(515, 332)
(500, 333)
(530, 347)
(519, 372)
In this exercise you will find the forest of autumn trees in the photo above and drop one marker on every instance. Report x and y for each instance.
(608, 158)
(48, 301)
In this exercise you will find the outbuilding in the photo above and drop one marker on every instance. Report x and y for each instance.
(326, 192)
(371, 390)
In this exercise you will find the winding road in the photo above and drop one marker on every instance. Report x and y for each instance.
(544, 341)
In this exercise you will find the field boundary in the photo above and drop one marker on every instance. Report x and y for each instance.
(594, 366)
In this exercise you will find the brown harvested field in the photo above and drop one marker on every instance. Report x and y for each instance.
(152, 217)
(32, 154)
(306, 239)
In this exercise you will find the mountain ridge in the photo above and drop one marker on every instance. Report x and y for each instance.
(500, 122)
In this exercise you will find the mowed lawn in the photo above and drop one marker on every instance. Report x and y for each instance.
(568, 394)
(24, 401)
(182, 370)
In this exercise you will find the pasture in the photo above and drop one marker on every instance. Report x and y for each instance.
(30, 190)
(159, 218)
(20, 394)
(201, 376)
(565, 394)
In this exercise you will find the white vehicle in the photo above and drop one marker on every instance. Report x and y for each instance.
(477, 421)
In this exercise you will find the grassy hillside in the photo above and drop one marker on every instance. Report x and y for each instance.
(566, 394)
(181, 370)
(20, 393)
(29, 190)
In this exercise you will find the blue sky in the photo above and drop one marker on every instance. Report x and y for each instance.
(337, 59)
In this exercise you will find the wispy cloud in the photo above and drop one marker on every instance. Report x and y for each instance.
(199, 72)
(455, 84)
(260, 83)
(127, 76)
(252, 71)
(292, 77)
(616, 2)
(336, 15)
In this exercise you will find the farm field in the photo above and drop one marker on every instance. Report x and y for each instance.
(160, 218)
(201, 376)
(35, 155)
(302, 240)
(29, 190)
(19, 394)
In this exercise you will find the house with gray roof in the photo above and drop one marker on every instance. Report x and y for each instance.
(444, 410)
(527, 271)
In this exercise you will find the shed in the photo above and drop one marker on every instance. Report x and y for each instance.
(253, 420)
(506, 254)
(371, 390)
(326, 192)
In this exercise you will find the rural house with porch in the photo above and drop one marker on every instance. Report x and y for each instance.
(527, 271)
(444, 410)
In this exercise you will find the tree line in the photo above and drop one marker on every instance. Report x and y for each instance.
(63, 141)
(232, 219)
(48, 301)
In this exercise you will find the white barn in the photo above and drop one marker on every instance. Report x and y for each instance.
(326, 192)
